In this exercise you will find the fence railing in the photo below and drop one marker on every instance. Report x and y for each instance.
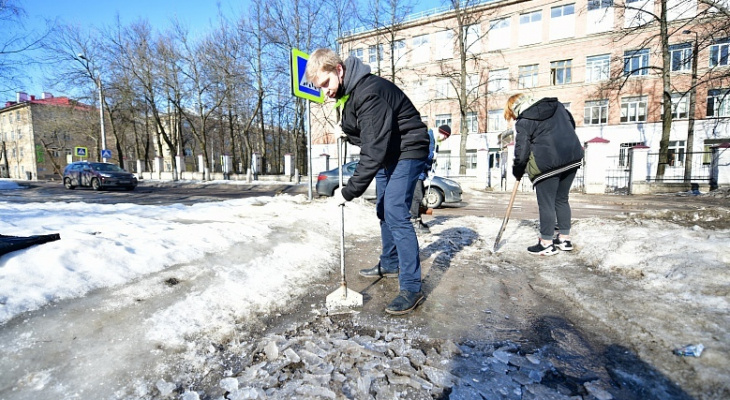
(674, 170)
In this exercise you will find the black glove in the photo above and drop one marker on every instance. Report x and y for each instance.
(518, 171)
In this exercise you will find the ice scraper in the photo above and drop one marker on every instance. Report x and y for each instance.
(342, 300)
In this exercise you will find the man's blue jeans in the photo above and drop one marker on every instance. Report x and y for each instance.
(394, 185)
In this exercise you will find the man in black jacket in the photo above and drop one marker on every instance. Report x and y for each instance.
(547, 147)
(379, 118)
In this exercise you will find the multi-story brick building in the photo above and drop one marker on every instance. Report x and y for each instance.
(599, 57)
(38, 136)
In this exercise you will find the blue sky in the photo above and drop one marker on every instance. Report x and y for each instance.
(197, 15)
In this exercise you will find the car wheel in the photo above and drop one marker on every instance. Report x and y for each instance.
(67, 184)
(433, 198)
(95, 184)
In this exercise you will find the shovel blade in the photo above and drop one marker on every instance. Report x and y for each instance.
(343, 300)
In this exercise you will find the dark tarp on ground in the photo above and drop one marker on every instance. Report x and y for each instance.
(12, 243)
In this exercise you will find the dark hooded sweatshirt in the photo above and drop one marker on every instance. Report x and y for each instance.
(545, 141)
(380, 119)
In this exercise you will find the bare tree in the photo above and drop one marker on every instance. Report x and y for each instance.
(16, 45)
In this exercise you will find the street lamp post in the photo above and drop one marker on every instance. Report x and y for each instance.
(101, 109)
(691, 111)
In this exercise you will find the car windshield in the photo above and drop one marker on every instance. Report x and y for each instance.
(101, 167)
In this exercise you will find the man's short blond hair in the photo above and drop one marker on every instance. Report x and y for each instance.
(322, 59)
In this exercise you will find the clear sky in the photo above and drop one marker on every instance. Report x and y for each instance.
(198, 15)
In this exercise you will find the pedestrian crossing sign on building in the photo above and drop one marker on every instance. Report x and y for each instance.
(301, 87)
(82, 152)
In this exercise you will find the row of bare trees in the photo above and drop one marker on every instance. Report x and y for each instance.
(226, 91)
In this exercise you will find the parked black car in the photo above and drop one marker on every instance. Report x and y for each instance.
(98, 176)
(442, 190)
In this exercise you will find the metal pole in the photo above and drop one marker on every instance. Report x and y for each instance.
(691, 112)
(101, 118)
(309, 148)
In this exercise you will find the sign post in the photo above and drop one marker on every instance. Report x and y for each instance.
(304, 89)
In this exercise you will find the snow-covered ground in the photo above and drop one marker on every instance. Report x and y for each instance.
(129, 287)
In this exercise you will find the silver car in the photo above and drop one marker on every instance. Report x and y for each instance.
(438, 190)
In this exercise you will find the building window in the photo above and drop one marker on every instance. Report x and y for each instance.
(495, 121)
(444, 42)
(675, 153)
(472, 39)
(471, 159)
(421, 49)
(598, 68)
(633, 109)
(562, 21)
(443, 88)
(560, 72)
(707, 147)
(472, 84)
(420, 91)
(719, 53)
(498, 80)
(472, 123)
(680, 105)
(527, 76)
(531, 28)
(595, 112)
(359, 53)
(636, 62)
(399, 52)
(443, 119)
(375, 55)
(598, 4)
(680, 57)
(499, 37)
(718, 103)
(623, 152)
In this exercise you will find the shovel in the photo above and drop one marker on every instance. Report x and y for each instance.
(506, 216)
(342, 300)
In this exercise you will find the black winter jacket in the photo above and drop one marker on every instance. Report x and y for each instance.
(380, 119)
(545, 141)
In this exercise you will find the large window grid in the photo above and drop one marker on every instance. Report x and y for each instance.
(636, 62)
(595, 112)
(560, 72)
(623, 153)
(421, 49)
(498, 80)
(680, 105)
(443, 119)
(495, 121)
(472, 122)
(680, 57)
(598, 68)
(633, 109)
(719, 53)
(718, 103)
(527, 77)
(375, 53)
(359, 53)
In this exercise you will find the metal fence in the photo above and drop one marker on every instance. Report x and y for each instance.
(674, 170)
(617, 175)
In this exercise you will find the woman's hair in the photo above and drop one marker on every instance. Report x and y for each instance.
(509, 109)
(322, 59)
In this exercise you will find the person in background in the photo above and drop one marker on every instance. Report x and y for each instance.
(379, 118)
(548, 149)
(417, 209)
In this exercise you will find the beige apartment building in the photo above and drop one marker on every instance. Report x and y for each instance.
(578, 51)
(38, 136)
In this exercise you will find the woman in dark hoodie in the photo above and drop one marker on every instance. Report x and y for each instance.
(379, 118)
(547, 147)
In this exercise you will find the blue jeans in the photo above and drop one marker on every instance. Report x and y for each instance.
(394, 185)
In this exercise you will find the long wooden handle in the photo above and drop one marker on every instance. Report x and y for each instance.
(506, 216)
